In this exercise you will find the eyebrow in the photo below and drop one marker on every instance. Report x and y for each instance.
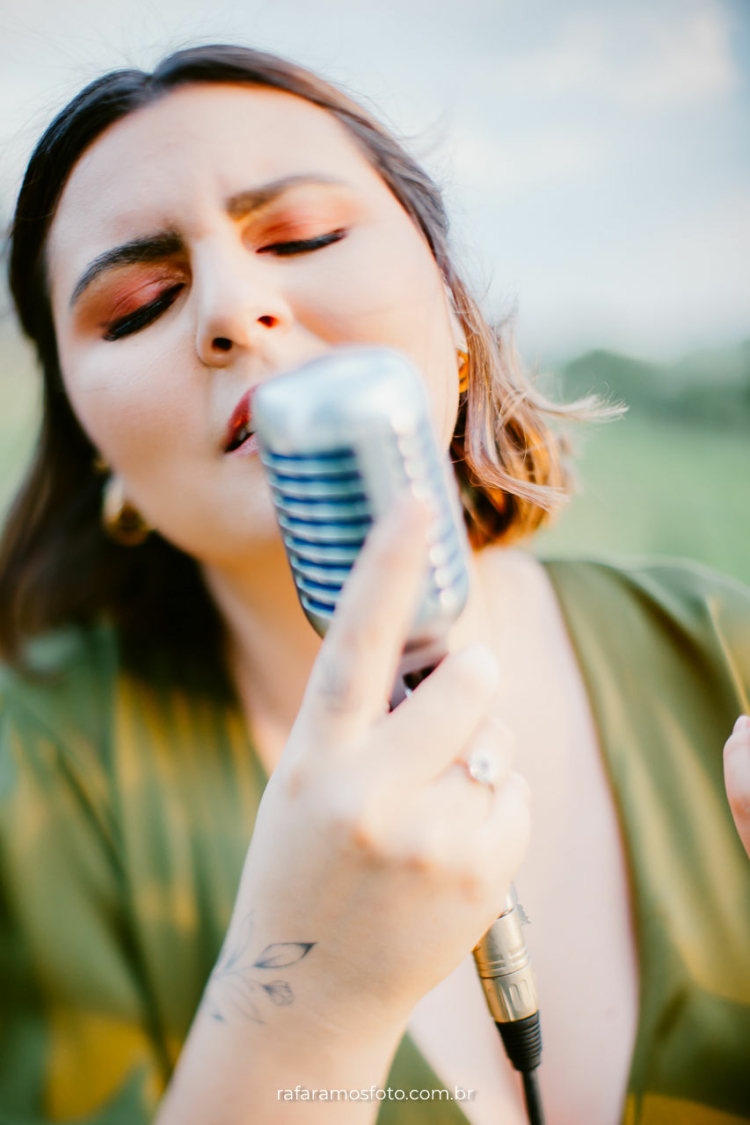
(165, 244)
(152, 248)
(247, 201)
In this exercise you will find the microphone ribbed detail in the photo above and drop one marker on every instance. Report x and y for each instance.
(340, 438)
(324, 517)
(324, 514)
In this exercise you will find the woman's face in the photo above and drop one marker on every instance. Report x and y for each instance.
(203, 245)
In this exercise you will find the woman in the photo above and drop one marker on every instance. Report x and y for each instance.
(179, 239)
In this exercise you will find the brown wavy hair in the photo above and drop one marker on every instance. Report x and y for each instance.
(56, 563)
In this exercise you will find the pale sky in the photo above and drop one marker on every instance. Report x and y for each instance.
(595, 153)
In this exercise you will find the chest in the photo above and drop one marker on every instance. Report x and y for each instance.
(573, 885)
(574, 888)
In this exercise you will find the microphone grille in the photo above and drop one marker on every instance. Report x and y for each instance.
(324, 516)
(340, 438)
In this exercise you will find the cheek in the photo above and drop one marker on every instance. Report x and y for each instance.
(147, 417)
(381, 279)
(131, 401)
(388, 290)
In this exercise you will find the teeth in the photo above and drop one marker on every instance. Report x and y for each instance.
(242, 435)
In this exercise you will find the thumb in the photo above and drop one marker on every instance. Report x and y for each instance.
(737, 777)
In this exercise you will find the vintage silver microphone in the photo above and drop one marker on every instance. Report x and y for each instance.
(340, 438)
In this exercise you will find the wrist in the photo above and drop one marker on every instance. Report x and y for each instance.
(234, 1070)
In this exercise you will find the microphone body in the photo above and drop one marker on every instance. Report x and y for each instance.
(340, 438)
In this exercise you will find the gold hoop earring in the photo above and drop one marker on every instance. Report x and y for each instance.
(463, 371)
(122, 522)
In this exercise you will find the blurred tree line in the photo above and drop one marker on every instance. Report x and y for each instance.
(671, 477)
(707, 388)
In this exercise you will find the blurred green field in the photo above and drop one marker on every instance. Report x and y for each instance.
(648, 485)
(655, 488)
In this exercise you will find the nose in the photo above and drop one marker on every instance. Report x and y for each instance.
(240, 307)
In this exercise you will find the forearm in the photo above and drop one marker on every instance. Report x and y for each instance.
(237, 1072)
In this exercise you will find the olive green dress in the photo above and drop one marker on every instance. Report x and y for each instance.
(127, 805)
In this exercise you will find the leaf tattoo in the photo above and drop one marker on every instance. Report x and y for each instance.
(284, 953)
(279, 991)
(241, 992)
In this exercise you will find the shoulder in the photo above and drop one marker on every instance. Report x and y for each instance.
(660, 610)
(56, 710)
(679, 586)
(631, 611)
(685, 590)
(66, 676)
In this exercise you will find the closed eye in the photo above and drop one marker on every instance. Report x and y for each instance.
(147, 314)
(142, 317)
(302, 245)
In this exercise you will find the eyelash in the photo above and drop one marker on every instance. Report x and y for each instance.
(141, 318)
(302, 245)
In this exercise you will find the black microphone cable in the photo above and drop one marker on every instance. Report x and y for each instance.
(522, 1040)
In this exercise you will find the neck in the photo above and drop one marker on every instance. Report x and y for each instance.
(271, 644)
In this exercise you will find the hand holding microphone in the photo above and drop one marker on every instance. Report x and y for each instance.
(340, 439)
(370, 840)
(375, 864)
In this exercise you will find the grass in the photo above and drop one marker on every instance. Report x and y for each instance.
(657, 488)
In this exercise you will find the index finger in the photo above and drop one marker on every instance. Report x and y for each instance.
(357, 663)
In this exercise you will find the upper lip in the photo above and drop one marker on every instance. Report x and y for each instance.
(241, 418)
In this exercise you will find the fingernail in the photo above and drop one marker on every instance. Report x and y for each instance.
(742, 724)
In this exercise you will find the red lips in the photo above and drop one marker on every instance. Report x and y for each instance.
(240, 424)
